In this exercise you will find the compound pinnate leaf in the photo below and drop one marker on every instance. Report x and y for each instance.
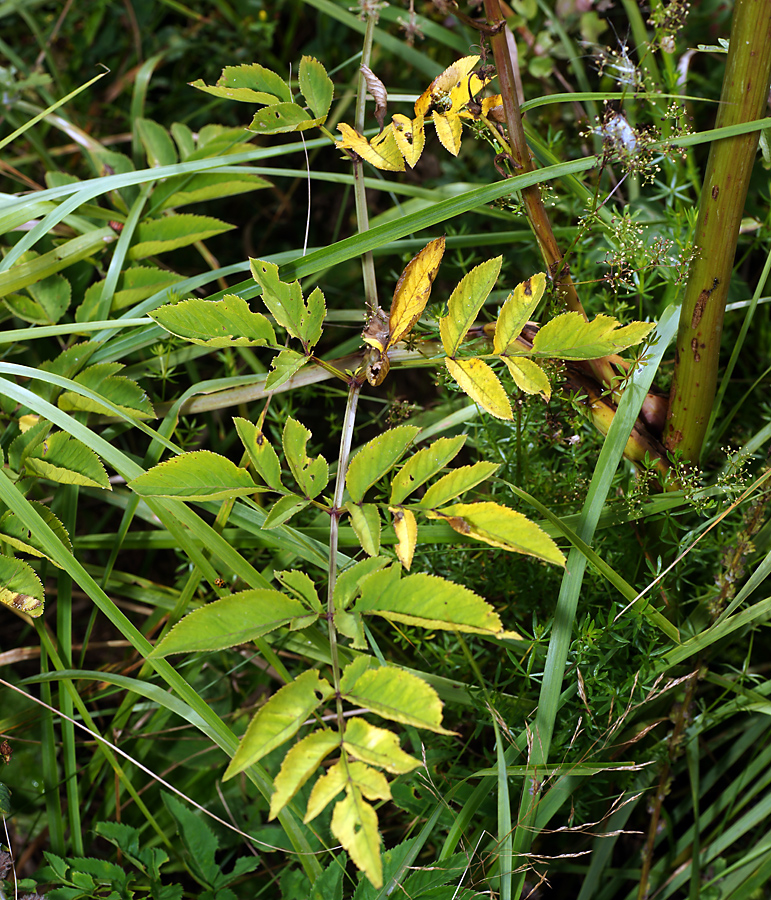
(234, 620)
(501, 527)
(422, 465)
(316, 86)
(457, 482)
(300, 763)
(413, 290)
(396, 695)
(354, 824)
(430, 602)
(466, 301)
(377, 747)
(312, 475)
(20, 587)
(516, 311)
(216, 323)
(570, 336)
(249, 84)
(198, 475)
(264, 458)
(528, 376)
(377, 457)
(365, 521)
(66, 460)
(481, 384)
(383, 152)
(303, 319)
(406, 528)
(280, 719)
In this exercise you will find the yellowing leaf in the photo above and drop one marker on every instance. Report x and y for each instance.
(394, 694)
(410, 137)
(501, 527)
(365, 519)
(377, 746)
(457, 482)
(440, 92)
(466, 301)
(382, 153)
(20, 587)
(449, 129)
(354, 824)
(429, 602)
(569, 336)
(516, 311)
(345, 775)
(279, 719)
(300, 763)
(528, 376)
(413, 290)
(425, 463)
(406, 528)
(481, 384)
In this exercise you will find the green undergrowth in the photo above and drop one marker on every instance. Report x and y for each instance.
(325, 573)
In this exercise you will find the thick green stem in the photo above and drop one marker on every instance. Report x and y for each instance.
(743, 99)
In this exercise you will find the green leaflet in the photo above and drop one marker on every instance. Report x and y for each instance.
(516, 311)
(280, 118)
(300, 763)
(279, 719)
(501, 527)
(393, 694)
(66, 460)
(208, 186)
(312, 475)
(47, 302)
(457, 482)
(216, 323)
(348, 582)
(198, 475)
(429, 602)
(20, 587)
(234, 620)
(302, 318)
(102, 379)
(14, 532)
(316, 86)
(154, 236)
(376, 458)
(249, 84)
(282, 367)
(134, 285)
(264, 458)
(569, 336)
(159, 147)
(425, 463)
(365, 519)
(283, 510)
(302, 586)
(377, 746)
(466, 301)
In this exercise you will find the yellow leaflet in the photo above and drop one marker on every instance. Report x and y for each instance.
(406, 528)
(481, 384)
(516, 311)
(528, 376)
(465, 90)
(413, 290)
(410, 137)
(448, 130)
(382, 153)
(439, 92)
